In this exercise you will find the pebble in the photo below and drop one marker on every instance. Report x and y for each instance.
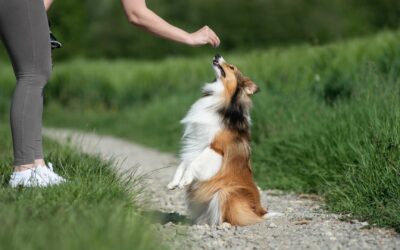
(226, 225)
(364, 224)
(272, 225)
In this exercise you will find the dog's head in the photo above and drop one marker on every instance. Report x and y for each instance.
(235, 83)
(237, 91)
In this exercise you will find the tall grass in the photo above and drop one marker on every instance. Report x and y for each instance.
(326, 121)
(92, 211)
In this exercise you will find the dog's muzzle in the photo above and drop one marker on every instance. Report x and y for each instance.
(218, 59)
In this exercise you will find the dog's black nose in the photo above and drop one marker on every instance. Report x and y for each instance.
(216, 59)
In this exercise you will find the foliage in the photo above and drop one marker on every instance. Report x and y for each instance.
(92, 211)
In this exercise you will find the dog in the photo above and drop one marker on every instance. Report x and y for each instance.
(216, 152)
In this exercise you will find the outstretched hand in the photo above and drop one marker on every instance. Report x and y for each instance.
(204, 36)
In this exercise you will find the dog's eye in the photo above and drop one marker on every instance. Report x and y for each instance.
(231, 67)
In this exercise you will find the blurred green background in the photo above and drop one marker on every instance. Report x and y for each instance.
(327, 120)
(99, 29)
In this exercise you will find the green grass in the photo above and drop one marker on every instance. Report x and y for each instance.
(94, 210)
(326, 121)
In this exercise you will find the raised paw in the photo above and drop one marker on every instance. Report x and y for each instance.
(187, 180)
(172, 185)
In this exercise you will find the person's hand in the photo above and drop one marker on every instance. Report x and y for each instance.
(204, 36)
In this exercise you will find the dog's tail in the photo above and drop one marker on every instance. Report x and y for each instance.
(238, 211)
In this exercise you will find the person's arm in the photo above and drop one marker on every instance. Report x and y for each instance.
(47, 4)
(139, 15)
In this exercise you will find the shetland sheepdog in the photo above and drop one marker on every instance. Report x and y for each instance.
(215, 152)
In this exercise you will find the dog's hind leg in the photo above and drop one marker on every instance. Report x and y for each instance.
(178, 176)
(207, 213)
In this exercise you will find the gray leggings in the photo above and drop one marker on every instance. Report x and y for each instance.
(25, 33)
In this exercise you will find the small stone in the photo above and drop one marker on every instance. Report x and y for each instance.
(226, 225)
(364, 224)
(169, 224)
(302, 222)
(213, 235)
(272, 225)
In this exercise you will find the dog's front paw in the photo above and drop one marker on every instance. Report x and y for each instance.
(187, 180)
(172, 185)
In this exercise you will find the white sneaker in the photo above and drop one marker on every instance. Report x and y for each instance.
(47, 173)
(27, 178)
(41, 176)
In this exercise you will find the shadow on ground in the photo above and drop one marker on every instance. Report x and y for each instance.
(164, 218)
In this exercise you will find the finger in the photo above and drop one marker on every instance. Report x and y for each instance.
(212, 40)
(215, 39)
(209, 38)
(214, 36)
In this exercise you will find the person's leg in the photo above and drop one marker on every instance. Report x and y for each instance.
(24, 31)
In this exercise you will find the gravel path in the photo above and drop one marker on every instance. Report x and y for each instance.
(305, 225)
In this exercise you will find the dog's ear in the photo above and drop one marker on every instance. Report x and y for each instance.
(250, 88)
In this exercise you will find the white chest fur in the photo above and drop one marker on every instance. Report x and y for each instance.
(202, 123)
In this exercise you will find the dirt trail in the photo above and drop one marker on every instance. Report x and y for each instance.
(305, 224)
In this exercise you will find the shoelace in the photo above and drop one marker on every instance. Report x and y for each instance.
(36, 173)
(50, 166)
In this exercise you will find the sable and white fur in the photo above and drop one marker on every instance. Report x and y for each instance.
(215, 152)
(202, 123)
